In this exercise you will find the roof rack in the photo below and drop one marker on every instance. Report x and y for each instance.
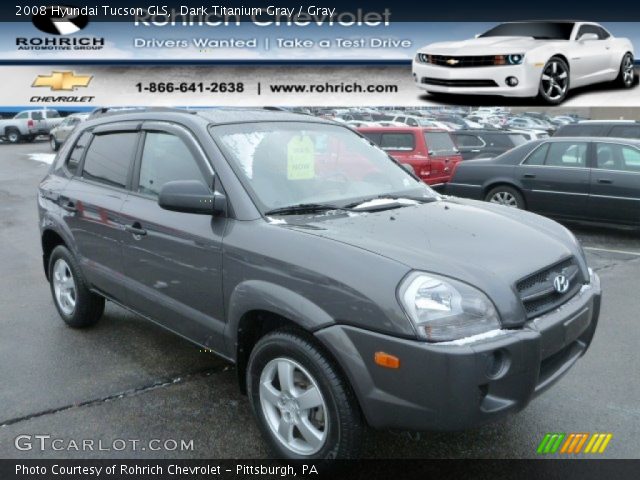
(104, 111)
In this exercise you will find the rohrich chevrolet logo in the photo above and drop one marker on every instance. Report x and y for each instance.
(574, 443)
(67, 81)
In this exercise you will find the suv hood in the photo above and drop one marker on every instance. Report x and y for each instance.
(488, 246)
(484, 46)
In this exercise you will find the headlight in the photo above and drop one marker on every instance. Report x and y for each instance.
(513, 59)
(443, 309)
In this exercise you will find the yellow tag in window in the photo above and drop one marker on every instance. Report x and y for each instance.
(301, 158)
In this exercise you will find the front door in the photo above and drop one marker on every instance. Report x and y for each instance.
(173, 260)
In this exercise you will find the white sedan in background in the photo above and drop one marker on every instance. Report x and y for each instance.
(526, 59)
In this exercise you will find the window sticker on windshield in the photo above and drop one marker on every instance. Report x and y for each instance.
(301, 158)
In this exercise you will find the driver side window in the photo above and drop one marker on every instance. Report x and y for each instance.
(165, 158)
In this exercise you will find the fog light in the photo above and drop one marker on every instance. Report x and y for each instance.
(497, 364)
(512, 81)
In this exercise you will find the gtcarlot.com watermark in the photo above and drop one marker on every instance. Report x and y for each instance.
(44, 442)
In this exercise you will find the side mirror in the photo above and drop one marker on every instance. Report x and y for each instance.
(191, 196)
(588, 37)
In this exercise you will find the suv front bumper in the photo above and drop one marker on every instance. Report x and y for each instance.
(458, 385)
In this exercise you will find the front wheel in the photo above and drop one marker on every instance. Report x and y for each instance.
(304, 407)
(54, 143)
(507, 196)
(554, 82)
(627, 75)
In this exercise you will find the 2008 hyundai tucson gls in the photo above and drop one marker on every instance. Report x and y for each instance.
(346, 292)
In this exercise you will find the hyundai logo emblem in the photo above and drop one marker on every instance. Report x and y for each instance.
(561, 284)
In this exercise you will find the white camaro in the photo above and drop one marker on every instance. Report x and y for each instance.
(526, 59)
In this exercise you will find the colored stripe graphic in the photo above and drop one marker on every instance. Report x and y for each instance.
(550, 443)
(574, 443)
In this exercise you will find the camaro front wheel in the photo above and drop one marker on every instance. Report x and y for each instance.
(304, 407)
(627, 74)
(554, 82)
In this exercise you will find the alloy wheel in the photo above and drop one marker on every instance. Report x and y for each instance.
(504, 198)
(555, 80)
(64, 287)
(293, 406)
(628, 70)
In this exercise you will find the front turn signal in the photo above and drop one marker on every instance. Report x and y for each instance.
(386, 360)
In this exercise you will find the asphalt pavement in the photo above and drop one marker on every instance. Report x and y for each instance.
(127, 379)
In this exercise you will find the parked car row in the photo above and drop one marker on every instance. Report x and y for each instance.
(27, 125)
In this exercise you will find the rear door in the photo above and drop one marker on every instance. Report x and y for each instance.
(173, 260)
(555, 177)
(443, 154)
(615, 184)
(100, 163)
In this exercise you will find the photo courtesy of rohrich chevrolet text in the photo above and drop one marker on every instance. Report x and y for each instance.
(318, 240)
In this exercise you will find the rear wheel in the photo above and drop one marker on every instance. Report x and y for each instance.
(76, 304)
(627, 75)
(13, 135)
(507, 196)
(303, 406)
(554, 82)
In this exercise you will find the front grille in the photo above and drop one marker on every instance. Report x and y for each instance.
(458, 62)
(537, 292)
(458, 83)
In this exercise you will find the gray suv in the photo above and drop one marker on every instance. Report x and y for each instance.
(346, 292)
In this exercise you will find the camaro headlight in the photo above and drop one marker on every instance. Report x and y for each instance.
(443, 309)
(515, 59)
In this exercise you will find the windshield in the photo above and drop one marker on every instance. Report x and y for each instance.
(537, 30)
(440, 143)
(292, 163)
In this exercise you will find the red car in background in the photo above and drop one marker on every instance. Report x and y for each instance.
(430, 152)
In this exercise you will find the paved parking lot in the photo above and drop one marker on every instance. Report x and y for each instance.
(128, 379)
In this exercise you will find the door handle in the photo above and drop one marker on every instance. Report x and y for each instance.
(68, 205)
(135, 229)
(605, 181)
(529, 175)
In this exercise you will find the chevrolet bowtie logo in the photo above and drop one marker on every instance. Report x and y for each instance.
(62, 81)
(453, 61)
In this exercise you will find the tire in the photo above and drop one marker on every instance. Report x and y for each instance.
(13, 135)
(337, 428)
(507, 196)
(626, 76)
(554, 82)
(54, 143)
(76, 304)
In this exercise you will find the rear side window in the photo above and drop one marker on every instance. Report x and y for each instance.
(374, 137)
(52, 114)
(397, 141)
(440, 143)
(498, 140)
(76, 154)
(584, 130)
(464, 140)
(109, 157)
(625, 131)
(36, 115)
(566, 154)
(165, 158)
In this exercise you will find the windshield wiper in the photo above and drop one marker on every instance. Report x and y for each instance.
(394, 202)
(303, 208)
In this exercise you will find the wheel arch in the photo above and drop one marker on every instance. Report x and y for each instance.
(503, 182)
(50, 239)
(258, 307)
